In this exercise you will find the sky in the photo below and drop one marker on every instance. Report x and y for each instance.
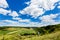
(29, 13)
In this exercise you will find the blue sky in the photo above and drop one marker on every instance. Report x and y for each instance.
(34, 13)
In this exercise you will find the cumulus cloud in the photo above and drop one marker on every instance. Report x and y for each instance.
(3, 4)
(25, 20)
(17, 23)
(27, 3)
(13, 23)
(13, 14)
(38, 7)
(58, 6)
(49, 19)
(35, 12)
(21, 20)
(45, 20)
(4, 12)
(8, 23)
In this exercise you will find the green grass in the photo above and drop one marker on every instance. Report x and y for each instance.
(7, 30)
(52, 36)
(16, 33)
(51, 32)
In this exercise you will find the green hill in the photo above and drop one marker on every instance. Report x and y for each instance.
(51, 32)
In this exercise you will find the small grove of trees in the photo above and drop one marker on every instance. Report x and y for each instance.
(2, 28)
(47, 29)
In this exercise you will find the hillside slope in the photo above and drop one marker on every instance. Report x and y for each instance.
(51, 32)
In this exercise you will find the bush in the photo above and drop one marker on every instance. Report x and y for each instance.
(27, 32)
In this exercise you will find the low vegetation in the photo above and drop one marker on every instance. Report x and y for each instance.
(51, 32)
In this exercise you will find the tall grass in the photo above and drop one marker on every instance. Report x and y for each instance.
(51, 32)
(52, 36)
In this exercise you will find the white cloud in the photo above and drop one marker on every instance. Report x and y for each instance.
(21, 20)
(49, 19)
(15, 23)
(16, 18)
(25, 20)
(3, 4)
(36, 7)
(28, 21)
(58, 6)
(14, 14)
(8, 23)
(4, 12)
(35, 12)
(46, 20)
(27, 3)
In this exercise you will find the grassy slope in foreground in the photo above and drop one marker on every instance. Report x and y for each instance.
(51, 32)
(52, 36)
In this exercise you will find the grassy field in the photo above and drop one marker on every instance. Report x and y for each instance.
(16, 33)
(43, 33)
(52, 36)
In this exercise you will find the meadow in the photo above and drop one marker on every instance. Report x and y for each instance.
(51, 32)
